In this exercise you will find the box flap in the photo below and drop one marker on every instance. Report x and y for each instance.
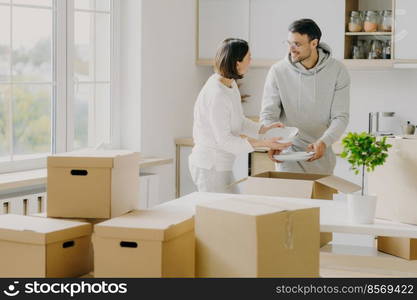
(35, 230)
(277, 187)
(339, 184)
(287, 175)
(129, 160)
(253, 206)
(91, 158)
(154, 225)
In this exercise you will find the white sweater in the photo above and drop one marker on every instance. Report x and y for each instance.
(218, 124)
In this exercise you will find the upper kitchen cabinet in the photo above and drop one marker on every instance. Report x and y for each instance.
(269, 21)
(369, 33)
(220, 19)
(405, 30)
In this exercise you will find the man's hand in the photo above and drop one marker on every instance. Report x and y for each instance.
(271, 154)
(319, 149)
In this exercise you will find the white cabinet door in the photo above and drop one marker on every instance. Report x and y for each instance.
(270, 20)
(405, 29)
(221, 19)
(148, 191)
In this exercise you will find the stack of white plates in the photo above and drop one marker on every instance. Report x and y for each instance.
(287, 134)
(294, 156)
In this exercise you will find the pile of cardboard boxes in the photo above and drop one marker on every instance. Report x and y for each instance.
(91, 224)
(90, 216)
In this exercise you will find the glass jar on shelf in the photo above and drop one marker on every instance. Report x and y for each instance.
(362, 49)
(371, 21)
(376, 50)
(386, 51)
(355, 52)
(355, 23)
(386, 21)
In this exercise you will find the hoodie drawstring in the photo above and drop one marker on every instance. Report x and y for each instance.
(315, 86)
(299, 92)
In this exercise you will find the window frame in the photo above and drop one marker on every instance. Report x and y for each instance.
(62, 121)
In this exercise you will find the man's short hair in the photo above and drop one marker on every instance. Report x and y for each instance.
(306, 26)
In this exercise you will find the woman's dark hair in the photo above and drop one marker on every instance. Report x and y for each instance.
(306, 26)
(229, 53)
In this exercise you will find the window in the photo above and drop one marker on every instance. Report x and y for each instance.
(91, 87)
(57, 77)
(26, 78)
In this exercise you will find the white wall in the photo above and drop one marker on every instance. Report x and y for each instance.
(171, 80)
(130, 74)
(391, 90)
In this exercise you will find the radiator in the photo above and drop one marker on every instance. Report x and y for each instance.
(26, 204)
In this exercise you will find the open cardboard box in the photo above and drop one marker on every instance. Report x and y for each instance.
(297, 185)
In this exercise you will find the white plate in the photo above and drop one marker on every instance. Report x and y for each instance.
(294, 156)
(287, 134)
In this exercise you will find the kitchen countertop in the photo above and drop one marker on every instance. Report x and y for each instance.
(188, 142)
(38, 177)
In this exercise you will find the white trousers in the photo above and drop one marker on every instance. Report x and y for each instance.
(212, 181)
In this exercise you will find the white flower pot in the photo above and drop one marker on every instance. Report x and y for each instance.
(361, 209)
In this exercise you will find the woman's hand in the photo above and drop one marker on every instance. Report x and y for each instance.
(265, 129)
(274, 144)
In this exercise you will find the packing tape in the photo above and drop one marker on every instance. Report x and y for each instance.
(289, 241)
(289, 220)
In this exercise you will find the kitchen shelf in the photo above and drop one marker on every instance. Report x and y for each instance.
(351, 38)
(368, 33)
(368, 64)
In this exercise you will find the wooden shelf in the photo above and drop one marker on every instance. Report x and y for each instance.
(368, 33)
(352, 64)
(368, 64)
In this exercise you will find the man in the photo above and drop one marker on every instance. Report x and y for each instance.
(309, 90)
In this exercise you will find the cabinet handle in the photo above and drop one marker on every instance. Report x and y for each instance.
(68, 244)
(79, 172)
(128, 244)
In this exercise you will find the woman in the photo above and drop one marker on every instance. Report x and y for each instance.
(219, 122)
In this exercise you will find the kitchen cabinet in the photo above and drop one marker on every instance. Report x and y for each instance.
(383, 38)
(183, 181)
(260, 162)
(405, 30)
(269, 20)
(264, 23)
(220, 19)
(148, 191)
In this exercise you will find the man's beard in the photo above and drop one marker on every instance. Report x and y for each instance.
(301, 59)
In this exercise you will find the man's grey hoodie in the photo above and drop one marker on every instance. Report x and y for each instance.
(316, 101)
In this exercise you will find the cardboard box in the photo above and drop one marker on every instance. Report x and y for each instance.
(147, 243)
(401, 247)
(394, 183)
(358, 261)
(91, 221)
(92, 184)
(298, 185)
(256, 238)
(41, 247)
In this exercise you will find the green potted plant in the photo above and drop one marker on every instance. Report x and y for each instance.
(363, 151)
